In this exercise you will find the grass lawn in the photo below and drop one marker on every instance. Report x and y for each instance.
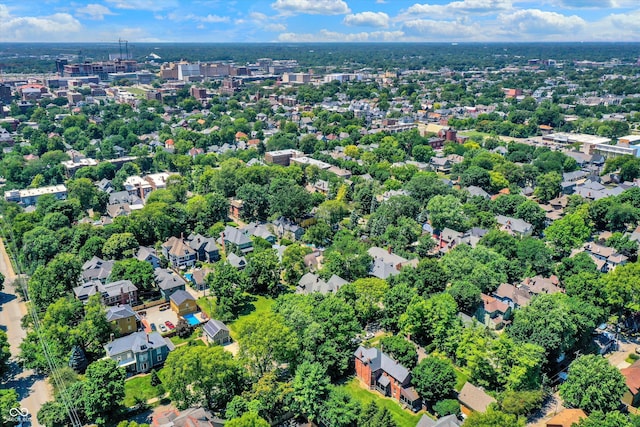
(207, 305)
(257, 308)
(140, 386)
(197, 333)
(404, 417)
(474, 134)
(135, 90)
(461, 378)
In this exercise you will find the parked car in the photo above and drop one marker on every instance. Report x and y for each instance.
(163, 328)
(169, 325)
(153, 327)
(164, 307)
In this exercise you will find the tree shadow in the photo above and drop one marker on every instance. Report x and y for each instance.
(5, 298)
(21, 384)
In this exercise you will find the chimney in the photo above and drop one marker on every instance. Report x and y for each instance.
(111, 337)
(148, 339)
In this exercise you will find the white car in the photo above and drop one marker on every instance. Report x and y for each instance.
(163, 328)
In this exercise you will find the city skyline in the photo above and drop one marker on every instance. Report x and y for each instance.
(289, 21)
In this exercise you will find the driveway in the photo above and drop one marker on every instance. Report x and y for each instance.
(625, 346)
(154, 315)
(33, 390)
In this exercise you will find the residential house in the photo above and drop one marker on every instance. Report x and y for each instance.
(604, 341)
(97, 269)
(198, 278)
(310, 283)
(474, 399)
(286, 229)
(386, 263)
(235, 208)
(632, 379)
(541, 285)
(567, 418)
(448, 421)
(606, 258)
(119, 209)
(236, 237)
(192, 417)
(514, 226)
(182, 302)
(493, 313)
(139, 352)
(168, 282)
(513, 296)
(238, 262)
(216, 332)
(475, 191)
(119, 292)
(205, 247)
(380, 372)
(447, 239)
(178, 252)
(123, 319)
(259, 230)
(149, 255)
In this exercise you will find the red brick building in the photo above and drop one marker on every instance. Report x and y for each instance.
(387, 376)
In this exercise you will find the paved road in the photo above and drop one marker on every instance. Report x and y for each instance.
(32, 389)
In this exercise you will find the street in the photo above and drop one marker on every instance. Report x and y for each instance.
(33, 390)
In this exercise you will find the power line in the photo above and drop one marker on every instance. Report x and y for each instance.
(33, 312)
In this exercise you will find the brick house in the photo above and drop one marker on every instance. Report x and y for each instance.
(387, 376)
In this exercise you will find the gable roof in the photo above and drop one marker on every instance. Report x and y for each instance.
(236, 236)
(137, 342)
(378, 360)
(167, 279)
(180, 296)
(567, 417)
(475, 398)
(518, 296)
(120, 312)
(448, 421)
(632, 377)
(213, 326)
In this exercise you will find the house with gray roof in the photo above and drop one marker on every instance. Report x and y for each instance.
(259, 230)
(514, 226)
(238, 262)
(112, 293)
(205, 247)
(386, 263)
(97, 269)
(123, 318)
(387, 376)
(139, 352)
(149, 255)
(168, 282)
(287, 229)
(474, 399)
(178, 252)
(310, 283)
(216, 332)
(448, 421)
(231, 235)
(477, 191)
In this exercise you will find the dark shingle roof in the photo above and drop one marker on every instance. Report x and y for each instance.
(379, 360)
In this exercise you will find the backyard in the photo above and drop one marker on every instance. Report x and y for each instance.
(404, 418)
(139, 387)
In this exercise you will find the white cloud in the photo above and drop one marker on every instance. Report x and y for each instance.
(312, 7)
(275, 28)
(333, 36)
(454, 9)
(431, 30)
(179, 17)
(258, 16)
(55, 27)
(367, 19)
(153, 5)
(538, 22)
(94, 11)
(212, 18)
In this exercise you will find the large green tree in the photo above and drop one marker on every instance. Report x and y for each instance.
(310, 388)
(103, 390)
(207, 376)
(434, 378)
(263, 271)
(593, 384)
(139, 272)
(266, 342)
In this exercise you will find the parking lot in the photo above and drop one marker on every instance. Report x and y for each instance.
(156, 316)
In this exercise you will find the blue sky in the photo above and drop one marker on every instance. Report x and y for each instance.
(319, 20)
